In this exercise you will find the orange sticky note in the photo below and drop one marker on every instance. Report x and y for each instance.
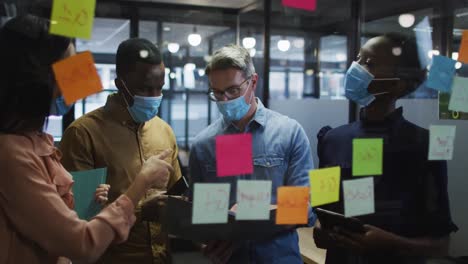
(77, 77)
(463, 52)
(293, 205)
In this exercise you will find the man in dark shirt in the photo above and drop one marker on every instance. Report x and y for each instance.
(412, 216)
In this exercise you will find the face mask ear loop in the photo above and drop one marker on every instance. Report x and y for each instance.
(128, 91)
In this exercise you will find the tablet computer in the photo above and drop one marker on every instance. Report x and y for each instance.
(329, 220)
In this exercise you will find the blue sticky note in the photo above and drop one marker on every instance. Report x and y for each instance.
(210, 203)
(84, 187)
(441, 73)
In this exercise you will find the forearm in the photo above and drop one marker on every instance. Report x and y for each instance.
(431, 247)
(136, 191)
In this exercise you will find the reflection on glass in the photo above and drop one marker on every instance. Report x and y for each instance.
(148, 30)
(107, 34)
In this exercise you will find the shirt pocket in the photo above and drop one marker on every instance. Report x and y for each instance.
(270, 168)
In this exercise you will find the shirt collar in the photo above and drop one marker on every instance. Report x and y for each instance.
(43, 144)
(259, 117)
(117, 110)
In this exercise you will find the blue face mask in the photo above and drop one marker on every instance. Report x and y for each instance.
(144, 108)
(59, 107)
(357, 79)
(233, 110)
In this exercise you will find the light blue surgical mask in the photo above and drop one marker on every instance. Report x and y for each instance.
(357, 79)
(233, 110)
(144, 108)
(59, 107)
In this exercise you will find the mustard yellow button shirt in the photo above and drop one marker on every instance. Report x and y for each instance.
(108, 137)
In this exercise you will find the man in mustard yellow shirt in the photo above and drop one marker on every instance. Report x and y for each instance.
(121, 136)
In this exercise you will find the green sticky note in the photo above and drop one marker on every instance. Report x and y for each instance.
(72, 18)
(367, 156)
(84, 187)
(324, 186)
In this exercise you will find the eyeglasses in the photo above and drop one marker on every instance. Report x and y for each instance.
(230, 93)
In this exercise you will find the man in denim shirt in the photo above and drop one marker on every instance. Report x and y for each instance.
(281, 152)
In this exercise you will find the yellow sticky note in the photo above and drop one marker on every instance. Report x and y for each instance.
(367, 156)
(463, 52)
(77, 77)
(293, 205)
(324, 186)
(72, 18)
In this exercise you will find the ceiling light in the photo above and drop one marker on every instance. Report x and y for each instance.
(309, 72)
(406, 20)
(252, 52)
(190, 66)
(172, 75)
(249, 42)
(396, 51)
(173, 47)
(298, 43)
(454, 55)
(458, 65)
(194, 39)
(167, 29)
(201, 72)
(284, 45)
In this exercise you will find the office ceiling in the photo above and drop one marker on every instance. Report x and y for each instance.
(231, 4)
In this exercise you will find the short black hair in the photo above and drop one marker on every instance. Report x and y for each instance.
(408, 67)
(136, 50)
(27, 83)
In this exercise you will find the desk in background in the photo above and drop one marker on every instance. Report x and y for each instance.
(309, 252)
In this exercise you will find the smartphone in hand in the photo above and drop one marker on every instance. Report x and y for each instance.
(179, 188)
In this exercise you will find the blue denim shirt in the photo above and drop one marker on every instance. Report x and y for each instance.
(281, 153)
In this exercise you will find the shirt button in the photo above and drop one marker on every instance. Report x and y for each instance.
(268, 163)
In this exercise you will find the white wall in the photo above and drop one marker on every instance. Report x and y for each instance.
(313, 114)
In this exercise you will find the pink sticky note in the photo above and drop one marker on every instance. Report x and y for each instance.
(234, 155)
(309, 5)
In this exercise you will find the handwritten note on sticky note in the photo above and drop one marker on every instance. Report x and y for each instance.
(72, 18)
(441, 140)
(293, 205)
(359, 197)
(234, 155)
(441, 73)
(367, 156)
(309, 5)
(325, 186)
(463, 51)
(459, 97)
(253, 200)
(210, 203)
(77, 77)
(84, 187)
